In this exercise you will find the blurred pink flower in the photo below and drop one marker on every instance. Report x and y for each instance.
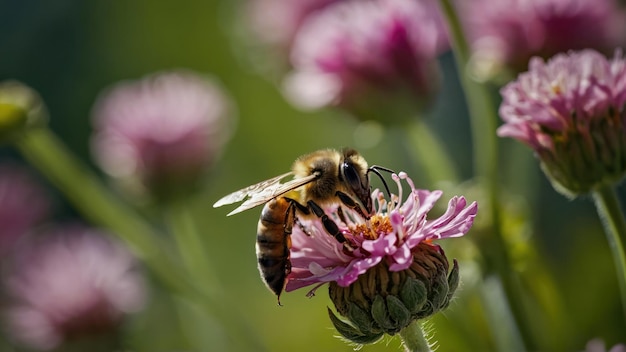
(597, 345)
(24, 203)
(509, 32)
(397, 228)
(68, 283)
(276, 22)
(571, 112)
(161, 132)
(369, 57)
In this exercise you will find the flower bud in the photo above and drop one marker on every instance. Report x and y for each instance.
(20, 108)
(383, 301)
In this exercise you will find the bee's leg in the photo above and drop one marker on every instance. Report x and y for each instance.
(295, 204)
(290, 217)
(350, 203)
(329, 225)
(303, 228)
(291, 212)
(341, 215)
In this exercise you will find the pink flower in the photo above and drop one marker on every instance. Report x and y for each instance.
(570, 111)
(69, 283)
(391, 272)
(24, 203)
(162, 132)
(276, 22)
(395, 232)
(510, 32)
(368, 57)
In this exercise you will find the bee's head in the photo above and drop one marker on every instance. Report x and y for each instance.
(353, 173)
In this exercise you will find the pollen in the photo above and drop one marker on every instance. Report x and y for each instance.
(371, 230)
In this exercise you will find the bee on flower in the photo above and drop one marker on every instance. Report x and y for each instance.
(395, 274)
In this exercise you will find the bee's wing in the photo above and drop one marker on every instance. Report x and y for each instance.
(241, 194)
(262, 192)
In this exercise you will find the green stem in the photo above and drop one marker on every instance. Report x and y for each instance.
(481, 110)
(612, 218)
(431, 154)
(190, 245)
(498, 314)
(413, 338)
(83, 189)
(483, 121)
(199, 267)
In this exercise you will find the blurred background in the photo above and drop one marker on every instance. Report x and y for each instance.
(70, 51)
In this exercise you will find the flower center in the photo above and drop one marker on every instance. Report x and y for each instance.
(377, 225)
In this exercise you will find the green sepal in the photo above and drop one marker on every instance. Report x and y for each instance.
(453, 282)
(361, 319)
(351, 333)
(398, 312)
(381, 315)
(439, 291)
(413, 294)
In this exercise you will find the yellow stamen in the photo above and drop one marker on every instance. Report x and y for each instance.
(373, 228)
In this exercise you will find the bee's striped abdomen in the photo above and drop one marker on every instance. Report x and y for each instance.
(273, 242)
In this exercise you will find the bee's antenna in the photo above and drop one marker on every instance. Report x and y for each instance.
(376, 169)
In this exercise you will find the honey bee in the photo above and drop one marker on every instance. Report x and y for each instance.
(320, 178)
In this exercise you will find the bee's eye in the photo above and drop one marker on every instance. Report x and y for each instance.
(351, 176)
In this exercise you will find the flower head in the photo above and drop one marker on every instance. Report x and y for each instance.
(67, 284)
(368, 57)
(508, 33)
(161, 133)
(393, 273)
(571, 111)
(24, 203)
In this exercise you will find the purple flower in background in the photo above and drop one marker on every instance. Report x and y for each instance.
(162, 132)
(377, 59)
(276, 22)
(571, 112)
(24, 203)
(507, 33)
(66, 284)
(391, 255)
